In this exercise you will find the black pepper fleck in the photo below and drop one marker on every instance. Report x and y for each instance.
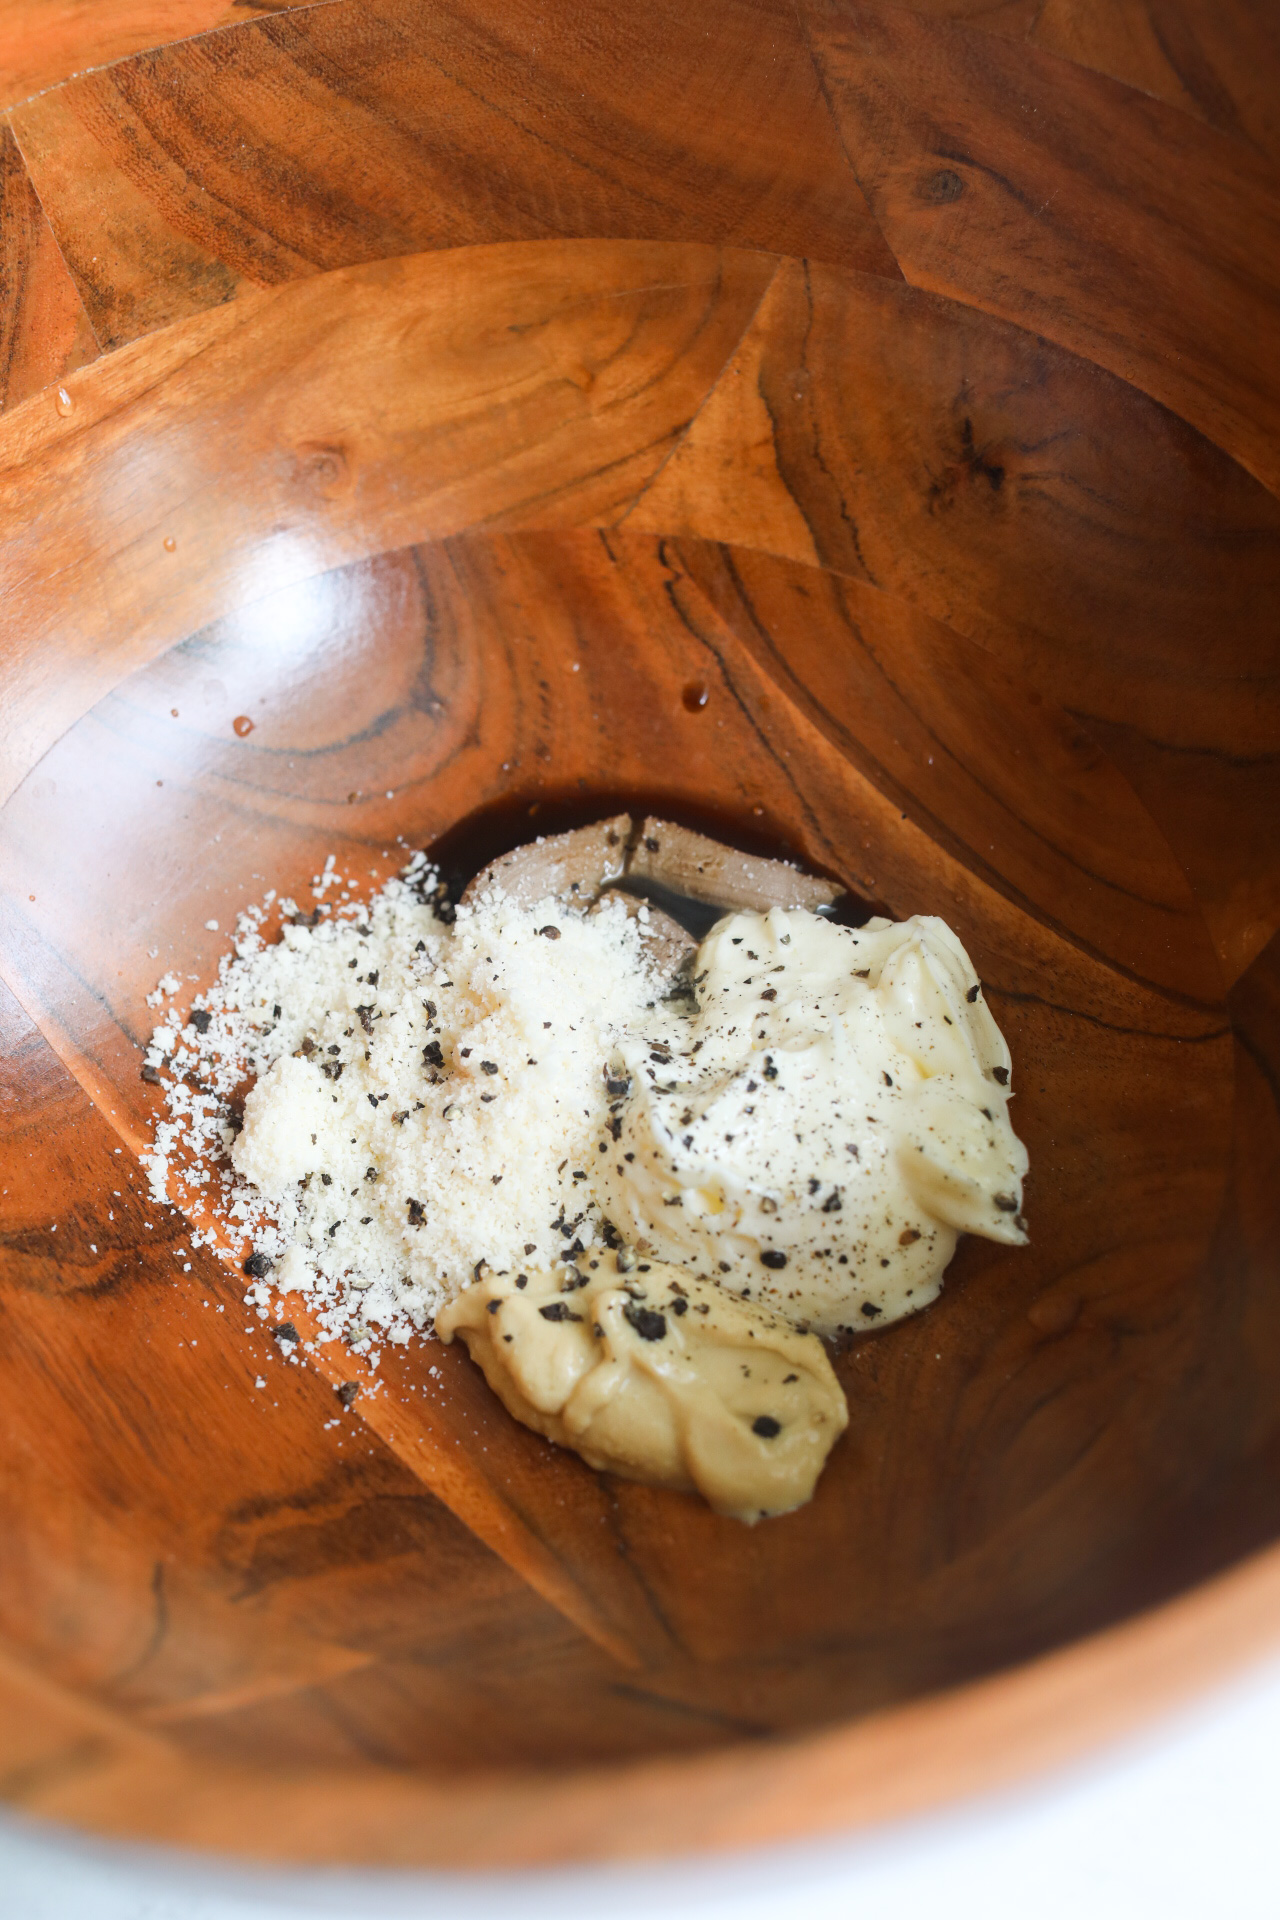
(647, 1323)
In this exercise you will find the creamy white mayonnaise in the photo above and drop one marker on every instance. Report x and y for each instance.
(829, 1120)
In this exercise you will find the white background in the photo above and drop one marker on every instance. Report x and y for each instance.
(1181, 1824)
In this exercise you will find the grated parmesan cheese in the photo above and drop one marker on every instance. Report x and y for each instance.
(426, 1096)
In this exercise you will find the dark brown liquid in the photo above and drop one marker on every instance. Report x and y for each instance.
(466, 848)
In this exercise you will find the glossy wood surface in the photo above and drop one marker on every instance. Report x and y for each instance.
(44, 330)
(449, 395)
(341, 134)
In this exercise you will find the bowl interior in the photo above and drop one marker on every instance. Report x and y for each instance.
(442, 569)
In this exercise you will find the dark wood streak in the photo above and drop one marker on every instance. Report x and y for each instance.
(42, 42)
(858, 428)
(351, 132)
(306, 1568)
(1216, 59)
(1073, 221)
(886, 684)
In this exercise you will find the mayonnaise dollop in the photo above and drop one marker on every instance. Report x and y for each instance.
(832, 1115)
(649, 1372)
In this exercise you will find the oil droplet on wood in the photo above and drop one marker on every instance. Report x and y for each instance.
(242, 724)
(696, 696)
(63, 402)
(169, 543)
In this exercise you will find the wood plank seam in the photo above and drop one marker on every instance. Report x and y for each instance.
(501, 1529)
(903, 125)
(834, 118)
(6, 118)
(253, 7)
(247, 305)
(702, 405)
(15, 296)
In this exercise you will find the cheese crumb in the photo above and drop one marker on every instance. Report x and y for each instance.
(426, 1096)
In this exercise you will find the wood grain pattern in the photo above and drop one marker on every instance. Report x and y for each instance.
(1100, 1363)
(1036, 506)
(979, 576)
(1033, 505)
(936, 724)
(422, 660)
(1015, 19)
(1217, 59)
(45, 41)
(983, 162)
(349, 133)
(994, 1734)
(332, 417)
(44, 329)
(312, 1583)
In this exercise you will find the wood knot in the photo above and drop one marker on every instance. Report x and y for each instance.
(938, 189)
(322, 468)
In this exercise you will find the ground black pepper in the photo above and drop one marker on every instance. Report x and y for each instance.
(649, 1324)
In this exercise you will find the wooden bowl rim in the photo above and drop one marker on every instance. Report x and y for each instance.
(911, 1761)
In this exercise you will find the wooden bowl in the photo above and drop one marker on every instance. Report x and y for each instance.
(858, 427)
